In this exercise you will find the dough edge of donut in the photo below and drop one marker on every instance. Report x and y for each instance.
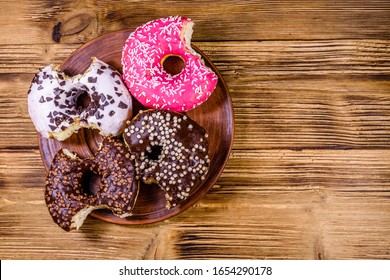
(186, 36)
(78, 220)
(76, 126)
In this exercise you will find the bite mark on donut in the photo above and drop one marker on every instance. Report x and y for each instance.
(186, 35)
(169, 149)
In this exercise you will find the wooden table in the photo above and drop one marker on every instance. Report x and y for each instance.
(309, 172)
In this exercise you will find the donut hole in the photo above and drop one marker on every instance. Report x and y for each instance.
(153, 152)
(173, 64)
(83, 100)
(90, 182)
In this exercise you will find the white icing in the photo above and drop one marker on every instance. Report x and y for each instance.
(49, 98)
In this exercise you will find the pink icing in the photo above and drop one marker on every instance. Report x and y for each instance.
(145, 76)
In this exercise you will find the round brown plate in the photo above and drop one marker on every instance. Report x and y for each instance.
(215, 115)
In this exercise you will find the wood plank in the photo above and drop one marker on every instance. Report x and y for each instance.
(340, 112)
(288, 225)
(360, 170)
(233, 20)
(245, 61)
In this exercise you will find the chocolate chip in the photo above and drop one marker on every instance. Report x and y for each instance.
(92, 79)
(122, 105)
(40, 87)
(57, 91)
(42, 100)
(58, 121)
(49, 98)
(118, 94)
(112, 112)
(95, 97)
(98, 115)
(35, 79)
(52, 127)
(62, 83)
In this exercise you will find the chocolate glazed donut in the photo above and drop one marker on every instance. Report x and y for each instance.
(66, 192)
(169, 149)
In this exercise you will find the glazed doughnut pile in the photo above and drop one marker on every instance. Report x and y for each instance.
(160, 145)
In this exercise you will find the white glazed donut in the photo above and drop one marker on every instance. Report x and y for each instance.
(55, 101)
(143, 56)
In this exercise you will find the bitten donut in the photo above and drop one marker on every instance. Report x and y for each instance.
(66, 192)
(143, 56)
(169, 149)
(60, 105)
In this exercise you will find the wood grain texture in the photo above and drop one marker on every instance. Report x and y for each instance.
(233, 20)
(309, 174)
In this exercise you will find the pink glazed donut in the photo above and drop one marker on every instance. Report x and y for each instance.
(143, 56)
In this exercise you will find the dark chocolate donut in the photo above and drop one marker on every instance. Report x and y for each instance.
(169, 149)
(66, 193)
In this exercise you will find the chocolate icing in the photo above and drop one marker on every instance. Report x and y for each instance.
(67, 195)
(169, 149)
